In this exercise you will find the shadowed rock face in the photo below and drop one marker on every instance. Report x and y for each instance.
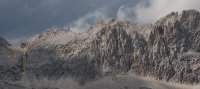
(4, 42)
(8, 61)
(168, 50)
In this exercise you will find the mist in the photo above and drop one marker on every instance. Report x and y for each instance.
(129, 81)
(152, 10)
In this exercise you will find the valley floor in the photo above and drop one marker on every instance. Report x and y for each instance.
(110, 82)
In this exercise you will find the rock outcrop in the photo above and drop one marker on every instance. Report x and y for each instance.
(172, 43)
(168, 50)
(8, 61)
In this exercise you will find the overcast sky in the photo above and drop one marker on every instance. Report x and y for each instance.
(20, 19)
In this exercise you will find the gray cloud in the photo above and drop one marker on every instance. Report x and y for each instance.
(23, 18)
(85, 22)
(149, 11)
(20, 19)
(126, 13)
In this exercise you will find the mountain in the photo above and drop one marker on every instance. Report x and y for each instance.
(107, 54)
(107, 48)
(168, 49)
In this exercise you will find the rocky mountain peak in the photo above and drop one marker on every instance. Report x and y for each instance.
(180, 29)
(190, 19)
(52, 36)
(189, 13)
(109, 23)
(187, 18)
(172, 37)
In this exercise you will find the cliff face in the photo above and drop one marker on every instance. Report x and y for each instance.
(169, 50)
(173, 47)
(107, 48)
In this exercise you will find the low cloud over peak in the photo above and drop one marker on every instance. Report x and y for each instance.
(83, 23)
(20, 19)
(151, 10)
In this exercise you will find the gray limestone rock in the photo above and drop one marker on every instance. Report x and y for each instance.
(168, 49)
